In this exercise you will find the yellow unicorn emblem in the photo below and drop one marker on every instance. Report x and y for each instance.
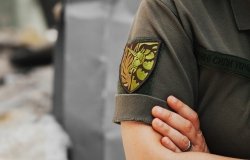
(137, 63)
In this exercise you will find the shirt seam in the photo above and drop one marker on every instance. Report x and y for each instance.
(175, 12)
(143, 95)
(125, 118)
(171, 8)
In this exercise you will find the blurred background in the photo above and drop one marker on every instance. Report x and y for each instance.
(59, 63)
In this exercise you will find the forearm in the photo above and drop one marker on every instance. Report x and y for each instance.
(142, 142)
(199, 156)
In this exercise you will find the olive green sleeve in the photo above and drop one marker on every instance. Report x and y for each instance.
(175, 72)
(126, 112)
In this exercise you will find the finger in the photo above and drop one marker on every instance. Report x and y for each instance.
(166, 142)
(177, 122)
(175, 136)
(184, 110)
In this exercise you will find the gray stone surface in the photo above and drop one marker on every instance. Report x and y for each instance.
(96, 33)
(85, 74)
(117, 30)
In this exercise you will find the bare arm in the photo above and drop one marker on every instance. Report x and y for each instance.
(141, 142)
(200, 155)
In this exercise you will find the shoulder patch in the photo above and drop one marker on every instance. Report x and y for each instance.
(138, 61)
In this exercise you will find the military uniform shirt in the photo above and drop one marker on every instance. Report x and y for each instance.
(198, 51)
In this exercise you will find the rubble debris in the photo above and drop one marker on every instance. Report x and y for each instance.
(27, 130)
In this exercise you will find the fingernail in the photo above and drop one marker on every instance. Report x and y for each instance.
(158, 122)
(173, 99)
(158, 109)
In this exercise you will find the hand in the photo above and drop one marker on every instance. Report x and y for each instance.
(179, 129)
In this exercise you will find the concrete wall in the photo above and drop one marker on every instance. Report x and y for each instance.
(96, 32)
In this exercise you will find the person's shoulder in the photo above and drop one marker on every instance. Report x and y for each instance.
(183, 5)
(188, 4)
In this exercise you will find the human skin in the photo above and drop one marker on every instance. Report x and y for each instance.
(178, 127)
(142, 141)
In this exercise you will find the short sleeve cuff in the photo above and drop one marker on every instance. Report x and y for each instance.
(136, 107)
